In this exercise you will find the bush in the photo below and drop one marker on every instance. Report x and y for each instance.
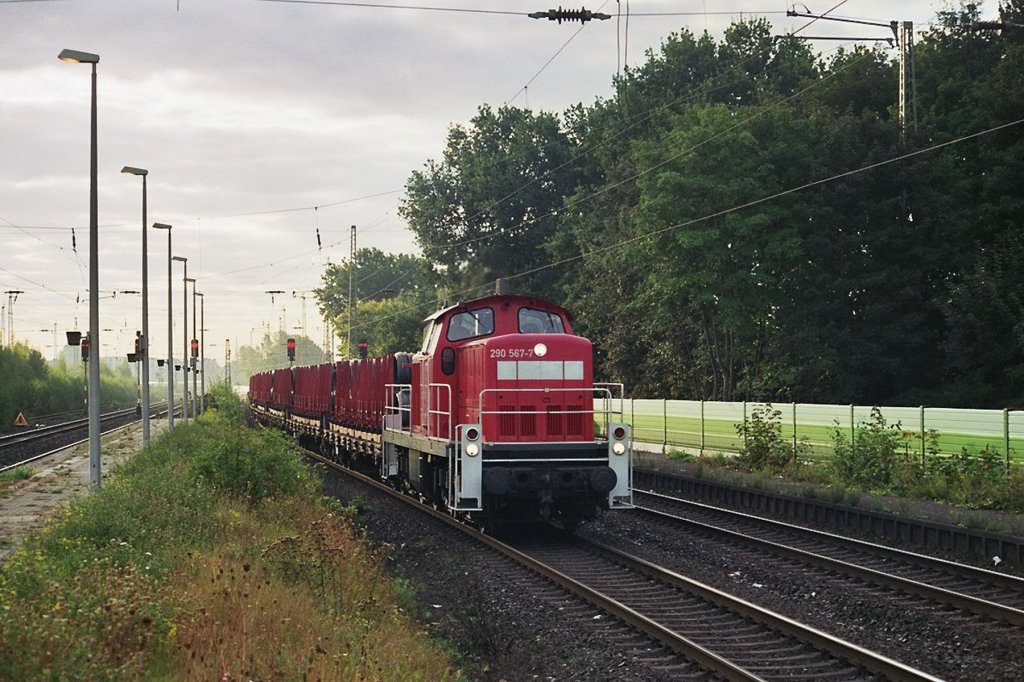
(763, 446)
(222, 397)
(31, 386)
(871, 459)
(250, 463)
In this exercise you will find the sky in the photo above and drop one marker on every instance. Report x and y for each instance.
(261, 122)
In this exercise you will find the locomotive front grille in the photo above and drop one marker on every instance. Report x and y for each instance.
(575, 421)
(507, 425)
(527, 420)
(554, 421)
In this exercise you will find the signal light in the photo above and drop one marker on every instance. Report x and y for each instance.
(85, 349)
(619, 433)
(137, 345)
(195, 348)
(291, 350)
(363, 348)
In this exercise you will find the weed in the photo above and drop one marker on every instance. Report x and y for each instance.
(763, 445)
(20, 474)
(870, 459)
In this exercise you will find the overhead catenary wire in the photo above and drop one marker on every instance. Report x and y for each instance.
(715, 214)
(285, 261)
(470, 10)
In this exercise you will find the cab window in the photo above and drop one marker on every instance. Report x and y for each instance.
(430, 333)
(532, 321)
(470, 324)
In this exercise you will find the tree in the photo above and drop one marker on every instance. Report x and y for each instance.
(393, 295)
(490, 206)
(272, 353)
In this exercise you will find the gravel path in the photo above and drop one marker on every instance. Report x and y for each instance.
(26, 505)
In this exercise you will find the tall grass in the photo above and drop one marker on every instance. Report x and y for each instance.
(210, 555)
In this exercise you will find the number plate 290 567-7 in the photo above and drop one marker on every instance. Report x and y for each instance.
(512, 353)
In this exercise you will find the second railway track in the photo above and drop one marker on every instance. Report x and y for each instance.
(19, 449)
(969, 589)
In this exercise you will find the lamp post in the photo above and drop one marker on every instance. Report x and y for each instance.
(143, 355)
(137, 354)
(184, 361)
(170, 332)
(195, 352)
(202, 353)
(77, 57)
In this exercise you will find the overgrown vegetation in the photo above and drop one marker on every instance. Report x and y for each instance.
(876, 458)
(29, 385)
(197, 561)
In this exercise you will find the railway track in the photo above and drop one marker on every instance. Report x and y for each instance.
(723, 636)
(959, 542)
(19, 449)
(966, 588)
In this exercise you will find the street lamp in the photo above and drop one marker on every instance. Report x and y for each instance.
(184, 361)
(94, 277)
(134, 358)
(202, 352)
(195, 351)
(170, 332)
(143, 354)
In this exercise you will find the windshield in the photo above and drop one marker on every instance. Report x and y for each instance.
(470, 324)
(533, 321)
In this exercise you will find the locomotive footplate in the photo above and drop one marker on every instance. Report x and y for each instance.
(545, 473)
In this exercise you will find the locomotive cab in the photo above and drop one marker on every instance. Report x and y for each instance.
(505, 382)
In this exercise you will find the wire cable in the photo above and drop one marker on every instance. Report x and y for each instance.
(717, 214)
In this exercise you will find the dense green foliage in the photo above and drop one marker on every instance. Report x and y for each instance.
(393, 293)
(742, 219)
(29, 385)
(763, 445)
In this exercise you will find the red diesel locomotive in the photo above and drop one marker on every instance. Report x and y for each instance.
(496, 417)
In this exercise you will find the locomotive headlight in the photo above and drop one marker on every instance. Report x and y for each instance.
(540, 350)
(619, 449)
(472, 449)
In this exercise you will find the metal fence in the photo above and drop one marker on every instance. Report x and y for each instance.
(710, 427)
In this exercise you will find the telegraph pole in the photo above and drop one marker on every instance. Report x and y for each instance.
(227, 361)
(908, 80)
(903, 31)
(12, 298)
(351, 288)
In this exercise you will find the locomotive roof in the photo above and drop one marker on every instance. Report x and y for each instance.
(498, 299)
